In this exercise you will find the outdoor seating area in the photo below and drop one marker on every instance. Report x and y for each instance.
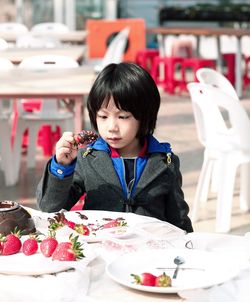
(132, 184)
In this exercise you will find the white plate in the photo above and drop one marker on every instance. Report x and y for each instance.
(134, 223)
(37, 264)
(201, 269)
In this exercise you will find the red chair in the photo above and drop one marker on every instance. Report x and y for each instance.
(246, 78)
(229, 60)
(170, 66)
(145, 58)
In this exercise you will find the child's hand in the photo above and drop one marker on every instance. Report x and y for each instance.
(66, 151)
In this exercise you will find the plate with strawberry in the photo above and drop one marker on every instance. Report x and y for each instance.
(152, 270)
(34, 254)
(92, 226)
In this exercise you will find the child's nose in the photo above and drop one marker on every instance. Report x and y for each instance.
(112, 125)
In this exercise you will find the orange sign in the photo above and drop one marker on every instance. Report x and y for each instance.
(100, 32)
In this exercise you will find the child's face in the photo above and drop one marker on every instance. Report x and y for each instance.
(119, 129)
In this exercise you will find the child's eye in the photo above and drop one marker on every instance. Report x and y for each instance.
(124, 117)
(101, 116)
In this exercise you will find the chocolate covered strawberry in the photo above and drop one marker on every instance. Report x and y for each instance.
(85, 137)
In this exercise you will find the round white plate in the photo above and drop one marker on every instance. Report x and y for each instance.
(201, 269)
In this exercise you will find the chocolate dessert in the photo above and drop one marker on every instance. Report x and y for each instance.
(85, 137)
(13, 215)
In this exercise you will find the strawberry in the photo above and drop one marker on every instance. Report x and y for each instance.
(30, 245)
(163, 281)
(68, 251)
(147, 279)
(85, 137)
(11, 244)
(79, 228)
(114, 223)
(48, 245)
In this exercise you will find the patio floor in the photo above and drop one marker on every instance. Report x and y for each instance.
(175, 125)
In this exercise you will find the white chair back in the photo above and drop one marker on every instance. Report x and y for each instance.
(13, 27)
(3, 44)
(47, 62)
(49, 27)
(227, 146)
(215, 78)
(115, 51)
(37, 41)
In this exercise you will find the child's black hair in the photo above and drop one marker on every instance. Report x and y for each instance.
(132, 88)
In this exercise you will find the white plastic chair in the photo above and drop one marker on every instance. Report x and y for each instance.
(215, 78)
(115, 50)
(227, 146)
(37, 41)
(49, 113)
(3, 44)
(49, 27)
(6, 154)
(13, 27)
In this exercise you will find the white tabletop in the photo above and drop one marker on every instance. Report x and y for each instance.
(91, 283)
(72, 83)
(17, 54)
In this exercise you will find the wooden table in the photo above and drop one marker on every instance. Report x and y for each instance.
(73, 84)
(74, 37)
(216, 32)
(16, 55)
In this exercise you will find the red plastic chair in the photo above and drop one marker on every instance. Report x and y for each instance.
(145, 58)
(169, 81)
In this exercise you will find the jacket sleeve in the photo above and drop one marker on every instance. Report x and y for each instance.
(54, 194)
(178, 208)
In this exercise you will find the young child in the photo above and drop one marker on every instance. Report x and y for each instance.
(126, 169)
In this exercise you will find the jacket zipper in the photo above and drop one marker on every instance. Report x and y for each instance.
(129, 187)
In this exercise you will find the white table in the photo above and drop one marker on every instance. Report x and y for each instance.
(92, 283)
(16, 54)
(73, 84)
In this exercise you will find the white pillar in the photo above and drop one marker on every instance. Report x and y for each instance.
(111, 9)
(70, 14)
(58, 11)
(19, 11)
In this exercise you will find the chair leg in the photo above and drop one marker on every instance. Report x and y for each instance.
(31, 155)
(244, 187)
(227, 171)
(202, 187)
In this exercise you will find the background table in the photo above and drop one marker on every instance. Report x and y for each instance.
(16, 55)
(73, 84)
(75, 37)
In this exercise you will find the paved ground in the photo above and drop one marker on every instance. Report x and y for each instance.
(175, 125)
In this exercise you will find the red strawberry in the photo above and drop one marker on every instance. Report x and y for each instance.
(163, 281)
(48, 245)
(30, 245)
(68, 251)
(11, 244)
(147, 279)
(79, 228)
(114, 223)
